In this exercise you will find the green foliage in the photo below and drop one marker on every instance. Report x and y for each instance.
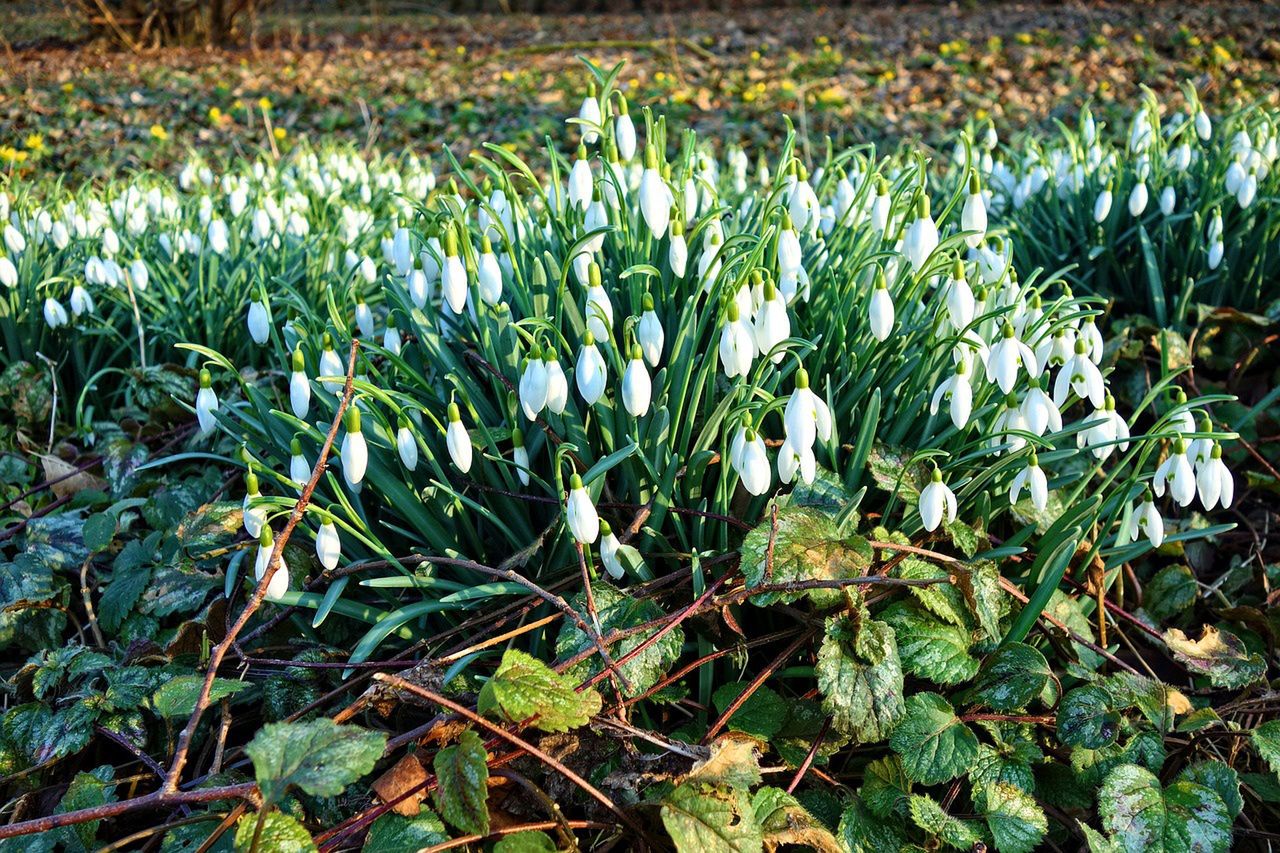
(393, 833)
(1139, 814)
(524, 688)
(319, 757)
(932, 742)
(860, 678)
(272, 830)
(462, 773)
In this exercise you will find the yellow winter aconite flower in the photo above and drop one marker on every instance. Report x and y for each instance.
(68, 87)
(34, 143)
(9, 154)
(264, 103)
(158, 132)
(1221, 54)
(215, 115)
(279, 133)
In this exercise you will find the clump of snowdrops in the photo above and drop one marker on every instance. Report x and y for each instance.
(611, 362)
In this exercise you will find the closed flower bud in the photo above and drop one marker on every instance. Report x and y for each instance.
(520, 455)
(880, 309)
(328, 544)
(591, 373)
(299, 385)
(206, 403)
(278, 585)
(650, 334)
(299, 468)
(54, 314)
(355, 450)
(637, 387)
(580, 513)
(457, 440)
(259, 320)
(253, 517)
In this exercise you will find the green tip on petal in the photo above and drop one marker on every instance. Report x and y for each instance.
(517, 437)
(327, 341)
(936, 476)
(593, 275)
(251, 482)
(575, 482)
(353, 419)
(299, 360)
(802, 379)
(588, 339)
(295, 447)
(455, 414)
(266, 539)
(647, 302)
(206, 378)
(605, 529)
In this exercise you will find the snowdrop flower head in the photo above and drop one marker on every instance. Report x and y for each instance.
(1175, 473)
(936, 502)
(259, 319)
(520, 455)
(279, 583)
(1033, 479)
(959, 394)
(457, 440)
(750, 460)
(580, 513)
(880, 309)
(54, 314)
(806, 415)
(649, 332)
(737, 343)
(557, 383)
(206, 403)
(355, 450)
(624, 131)
(1008, 355)
(591, 373)
(1214, 481)
(772, 324)
(973, 216)
(299, 385)
(921, 237)
(637, 387)
(454, 275)
(1147, 521)
(253, 517)
(1080, 375)
(328, 543)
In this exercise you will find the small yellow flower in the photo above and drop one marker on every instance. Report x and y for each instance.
(264, 103)
(34, 143)
(507, 76)
(237, 104)
(1221, 54)
(158, 132)
(981, 114)
(1023, 38)
(68, 87)
(215, 115)
(461, 50)
(279, 133)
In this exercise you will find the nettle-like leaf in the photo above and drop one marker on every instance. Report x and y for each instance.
(860, 678)
(617, 610)
(462, 773)
(1011, 678)
(706, 818)
(927, 814)
(733, 762)
(930, 648)
(892, 471)
(808, 545)
(1220, 655)
(762, 715)
(1016, 821)
(886, 788)
(279, 833)
(934, 744)
(1004, 764)
(1085, 718)
(319, 756)
(943, 599)
(529, 841)
(1141, 815)
(784, 821)
(1171, 591)
(1158, 702)
(862, 832)
(393, 833)
(1266, 740)
(980, 586)
(177, 697)
(1219, 778)
(524, 687)
(805, 719)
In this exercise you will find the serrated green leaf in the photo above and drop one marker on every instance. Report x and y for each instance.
(1016, 822)
(762, 715)
(1007, 765)
(462, 772)
(524, 687)
(703, 818)
(99, 529)
(393, 833)
(860, 678)
(1266, 740)
(980, 587)
(942, 599)
(1171, 591)
(783, 821)
(617, 610)
(1220, 655)
(280, 833)
(886, 788)
(1085, 718)
(930, 648)
(1140, 815)
(177, 697)
(1011, 678)
(934, 744)
(933, 819)
(529, 841)
(806, 546)
(862, 832)
(318, 756)
(1219, 778)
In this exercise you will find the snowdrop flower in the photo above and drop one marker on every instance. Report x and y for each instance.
(259, 319)
(279, 583)
(598, 309)
(649, 333)
(520, 455)
(1182, 419)
(637, 387)
(457, 440)
(391, 341)
(1138, 199)
(14, 239)
(709, 261)
(328, 543)
(1102, 437)
(557, 384)
(655, 196)
(609, 548)
(8, 272)
(1168, 200)
(355, 450)
(1057, 349)
(806, 416)
(881, 206)
(1080, 375)
(737, 344)
(1204, 127)
(580, 180)
(81, 301)
(402, 252)
(1175, 473)
(592, 372)
(454, 276)
(299, 468)
(1007, 356)
(206, 403)
(417, 285)
(624, 131)
(936, 501)
(1199, 449)
(1102, 206)
(1033, 479)
(1146, 520)
(590, 112)
(793, 458)
(1234, 177)
(678, 250)
(54, 314)
(488, 273)
(252, 515)
(921, 237)
(958, 392)
(772, 324)
(1214, 481)
(299, 385)
(803, 202)
(1248, 190)
(1039, 412)
(750, 459)
(364, 317)
(1092, 340)
(580, 513)
(959, 298)
(368, 270)
(406, 443)
(218, 237)
(880, 309)
(533, 388)
(973, 216)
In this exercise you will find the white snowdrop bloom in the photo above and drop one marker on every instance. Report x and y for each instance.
(557, 384)
(958, 298)
(488, 274)
(806, 416)
(453, 276)
(992, 264)
(591, 373)
(1147, 521)
(1038, 411)
(581, 184)
(402, 252)
(1033, 479)
(14, 239)
(1180, 158)
(590, 112)
(750, 459)
(1102, 206)
(1138, 199)
(111, 243)
(406, 443)
(737, 343)
(1199, 450)
(580, 513)
(936, 502)
(1175, 473)
(973, 216)
(624, 131)
(534, 384)
(1092, 338)
(1080, 375)
(417, 285)
(331, 366)
(678, 250)
(790, 255)
(637, 387)
(218, 237)
(609, 548)
(355, 450)
(139, 274)
(1008, 355)
(1248, 190)
(1057, 349)
(367, 270)
(957, 391)
(709, 261)
(520, 456)
(880, 309)
(1182, 419)
(299, 468)
(1168, 200)
(391, 340)
(364, 317)
(259, 320)
(81, 301)
(1103, 436)
(649, 332)
(1234, 177)
(328, 544)
(655, 196)
(772, 323)
(1005, 429)
(299, 385)
(206, 403)
(881, 206)
(598, 309)
(921, 237)
(457, 440)
(253, 516)
(1204, 127)
(54, 314)
(795, 458)
(803, 203)
(8, 272)
(1214, 481)
(1215, 254)
(279, 583)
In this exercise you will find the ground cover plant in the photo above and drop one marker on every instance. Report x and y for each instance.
(643, 489)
